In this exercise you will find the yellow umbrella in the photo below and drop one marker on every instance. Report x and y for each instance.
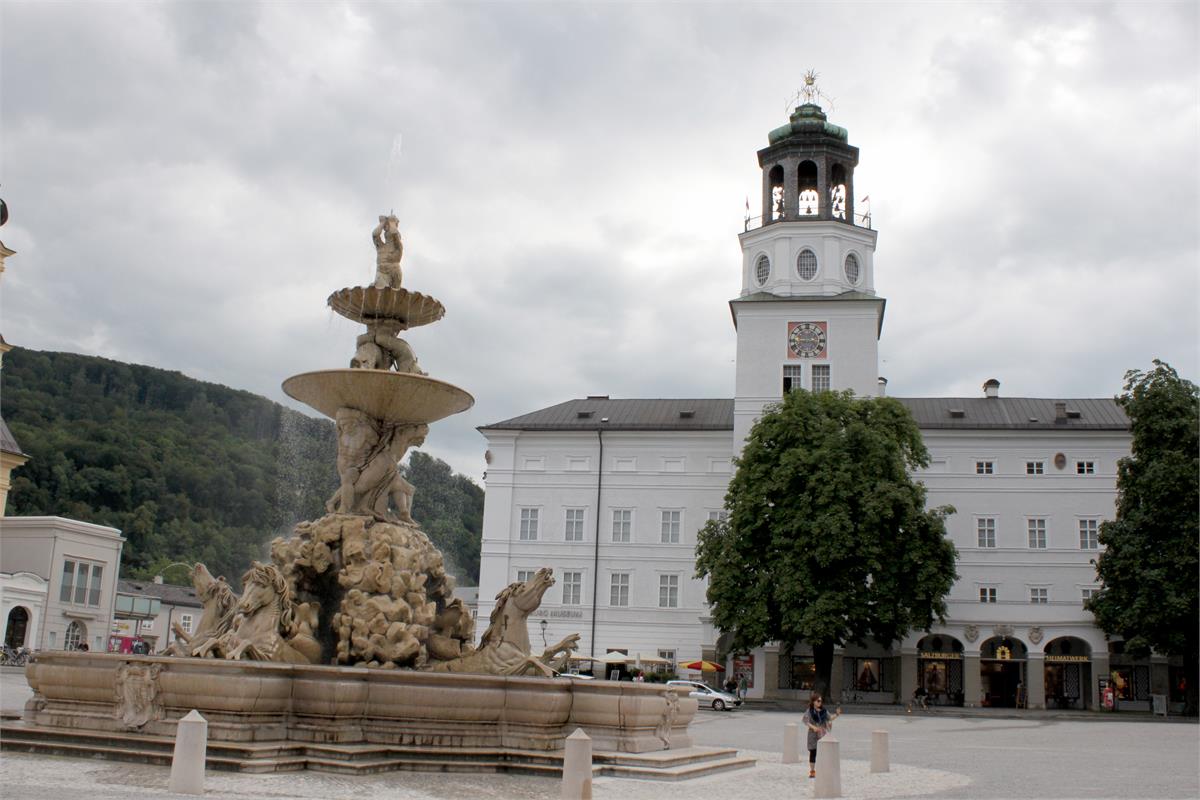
(701, 666)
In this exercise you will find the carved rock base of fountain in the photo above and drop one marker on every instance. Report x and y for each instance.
(265, 717)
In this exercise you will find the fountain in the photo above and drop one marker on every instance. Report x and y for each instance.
(347, 651)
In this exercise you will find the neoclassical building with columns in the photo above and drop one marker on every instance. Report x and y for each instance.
(610, 492)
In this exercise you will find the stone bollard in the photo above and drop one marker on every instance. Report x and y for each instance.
(191, 746)
(880, 760)
(577, 767)
(829, 768)
(791, 743)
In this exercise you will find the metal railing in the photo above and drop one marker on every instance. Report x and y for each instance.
(860, 220)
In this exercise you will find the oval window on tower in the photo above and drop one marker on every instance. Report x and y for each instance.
(852, 271)
(762, 269)
(806, 264)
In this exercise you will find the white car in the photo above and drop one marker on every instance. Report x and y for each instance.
(706, 695)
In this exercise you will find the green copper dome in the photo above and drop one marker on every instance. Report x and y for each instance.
(807, 119)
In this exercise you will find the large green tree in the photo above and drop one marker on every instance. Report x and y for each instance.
(1151, 559)
(827, 540)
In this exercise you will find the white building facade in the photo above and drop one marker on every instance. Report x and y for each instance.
(610, 493)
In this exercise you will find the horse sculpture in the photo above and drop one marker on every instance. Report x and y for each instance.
(504, 649)
(266, 627)
(219, 601)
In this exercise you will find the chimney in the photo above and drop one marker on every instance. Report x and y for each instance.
(991, 388)
(1060, 412)
(158, 579)
(882, 386)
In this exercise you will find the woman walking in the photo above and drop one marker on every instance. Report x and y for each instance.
(819, 722)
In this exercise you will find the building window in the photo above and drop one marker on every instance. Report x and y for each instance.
(524, 575)
(76, 633)
(1039, 595)
(670, 527)
(619, 589)
(147, 625)
(622, 524)
(185, 622)
(1087, 593)
(853, 273)
(75, 588)
(1037, 534)
(985, 528)
(668, 591)
(574, 525)
(806, 265)
(529, 524)
(987, 594)
(1035, 468)
(572, 588)
(668, 655)
(762, 269)
(1089, 534)
(985, 467)
(820, 378)
(718, 516)
(1085, 467)
(791, 377)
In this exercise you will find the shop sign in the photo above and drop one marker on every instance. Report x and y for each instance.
(124, 627)
(1068, 659)
(940, 656)
(744, 666)
(565, 613)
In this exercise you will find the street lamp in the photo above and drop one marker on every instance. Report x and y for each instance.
(544, 625)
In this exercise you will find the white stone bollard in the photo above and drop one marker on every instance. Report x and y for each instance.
(191, 747)
(880, 760)
(577, 767)
(829, 768)
(791, 743)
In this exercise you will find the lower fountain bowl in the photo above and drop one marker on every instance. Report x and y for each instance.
(396, 397)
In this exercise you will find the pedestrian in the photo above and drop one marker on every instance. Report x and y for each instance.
(730, 685)
(819, 722)
(742, 686)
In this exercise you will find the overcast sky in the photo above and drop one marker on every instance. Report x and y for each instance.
(188, 182)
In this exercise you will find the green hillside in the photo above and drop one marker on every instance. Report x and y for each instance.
(189, 470)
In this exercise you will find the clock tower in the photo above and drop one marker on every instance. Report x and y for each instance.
(807, 316)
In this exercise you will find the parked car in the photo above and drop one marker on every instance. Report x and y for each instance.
(706, 695)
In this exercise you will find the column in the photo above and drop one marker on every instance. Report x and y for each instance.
(766, 195)
(908, 676)
(972, 686)
(1099, 670)
(824, 209)
(1035, 676)
(791, 192)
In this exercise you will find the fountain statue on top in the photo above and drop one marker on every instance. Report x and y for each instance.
(364, 585)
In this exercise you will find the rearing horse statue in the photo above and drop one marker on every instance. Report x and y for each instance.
(504, 649)
(265, 616)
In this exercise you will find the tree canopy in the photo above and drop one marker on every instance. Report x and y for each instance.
(827, 540)
(1148, 570)
(192, 471)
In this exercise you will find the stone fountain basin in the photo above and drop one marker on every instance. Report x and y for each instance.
(369, 304)
(248, 701)
(396, 397)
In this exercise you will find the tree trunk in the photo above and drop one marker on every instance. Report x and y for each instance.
(823, 659)
(1191, 671)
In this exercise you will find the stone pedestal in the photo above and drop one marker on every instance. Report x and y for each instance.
(577, 767)
(972, 686)
(880, 757)
(829, 768)
(191, 748)
(791, 743)
(1035, 681)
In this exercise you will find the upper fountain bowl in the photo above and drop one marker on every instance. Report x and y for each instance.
(369, 304)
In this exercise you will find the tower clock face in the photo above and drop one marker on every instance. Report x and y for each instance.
(806, 339)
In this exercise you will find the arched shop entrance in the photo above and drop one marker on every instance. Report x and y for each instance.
(18, 624)
(1129, 677)
(1068, 672)
(1002, 672)
(940, 669)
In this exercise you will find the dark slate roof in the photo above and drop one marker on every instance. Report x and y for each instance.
(166, 592)
(625, 415)
(8, 442)
(1024, 413)
(1000, 413)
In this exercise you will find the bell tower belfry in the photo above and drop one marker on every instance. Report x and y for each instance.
(807, 316)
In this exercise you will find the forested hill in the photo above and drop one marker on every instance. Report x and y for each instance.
(189, 470)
